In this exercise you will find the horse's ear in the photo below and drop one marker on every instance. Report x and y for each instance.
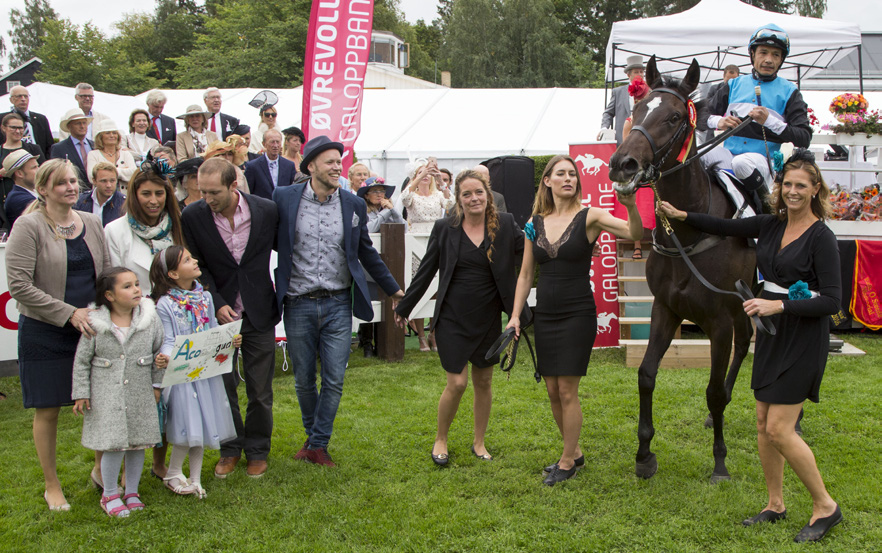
(693, 74)
(653, 77)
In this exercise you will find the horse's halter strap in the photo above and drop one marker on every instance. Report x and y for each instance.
(660, 155)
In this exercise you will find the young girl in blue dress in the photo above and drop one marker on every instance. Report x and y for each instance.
(198, 412)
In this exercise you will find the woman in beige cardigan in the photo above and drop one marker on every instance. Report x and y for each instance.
(195, 140)
(53, 258)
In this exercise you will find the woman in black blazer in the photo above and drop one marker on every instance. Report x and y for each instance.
(475, 250)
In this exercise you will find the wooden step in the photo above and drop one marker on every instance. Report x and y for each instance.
(682, 354)
(632, 278)
(643, 321)
(636, 299)
(629, 260)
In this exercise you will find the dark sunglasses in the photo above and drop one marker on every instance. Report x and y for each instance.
(270, 114)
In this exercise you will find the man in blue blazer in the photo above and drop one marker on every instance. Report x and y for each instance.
(271, 170)
(75, 147)
(324, 249)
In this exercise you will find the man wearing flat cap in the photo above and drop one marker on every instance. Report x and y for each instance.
(21, 167)
(324, 251)
(621, 103)
(76, 146)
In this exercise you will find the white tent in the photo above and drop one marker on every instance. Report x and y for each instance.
(716, 33)
(460, 127)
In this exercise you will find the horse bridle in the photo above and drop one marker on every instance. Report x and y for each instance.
(654, 174)
(660, 155)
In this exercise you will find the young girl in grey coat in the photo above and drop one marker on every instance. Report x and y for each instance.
(113, 377)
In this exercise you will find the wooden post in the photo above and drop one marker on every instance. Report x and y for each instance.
(390, 338)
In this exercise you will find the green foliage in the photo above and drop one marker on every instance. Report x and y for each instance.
(28, 29)
(871, 125)
(386, 496)
(72, 54)
(249, 43)
(539, 163)
(505, 44)
(811, 8)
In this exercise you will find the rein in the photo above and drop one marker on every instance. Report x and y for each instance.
(655, 174)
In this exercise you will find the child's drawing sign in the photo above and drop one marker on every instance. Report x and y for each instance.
(201, 355)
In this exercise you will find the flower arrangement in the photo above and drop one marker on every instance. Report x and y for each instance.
(859, 205)
(813, 119)
(870, 123)
(849, 107)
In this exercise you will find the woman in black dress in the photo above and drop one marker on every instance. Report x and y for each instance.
(53, 258)
(475, 249)
(563, 235)
(799, 258)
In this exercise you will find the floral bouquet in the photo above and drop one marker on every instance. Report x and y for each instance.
(849, 107)
(859, 205)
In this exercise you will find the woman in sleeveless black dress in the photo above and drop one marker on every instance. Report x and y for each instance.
(793, 246)
(563, 235)
(475, 251)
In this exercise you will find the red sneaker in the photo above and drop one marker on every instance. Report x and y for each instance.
(303, 453)
(319, 456)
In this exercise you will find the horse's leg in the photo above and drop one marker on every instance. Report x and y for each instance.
(721, 347)
(664, 325)
(743, 333)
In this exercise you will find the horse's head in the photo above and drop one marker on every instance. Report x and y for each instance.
(660, 125)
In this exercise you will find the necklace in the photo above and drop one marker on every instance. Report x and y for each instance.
(66, 231)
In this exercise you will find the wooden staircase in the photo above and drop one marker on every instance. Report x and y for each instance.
(683, 353)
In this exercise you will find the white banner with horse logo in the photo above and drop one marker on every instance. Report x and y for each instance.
(201, 355)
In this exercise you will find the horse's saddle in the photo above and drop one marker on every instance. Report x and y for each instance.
(746, 203)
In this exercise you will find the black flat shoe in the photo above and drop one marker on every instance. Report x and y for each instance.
(578, 463)
(816, 531)
(485, 457)
(765, 516)
(440, 460)
(558, 474)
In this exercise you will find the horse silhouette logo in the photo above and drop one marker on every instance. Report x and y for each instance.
(604, 322)
(590, 164)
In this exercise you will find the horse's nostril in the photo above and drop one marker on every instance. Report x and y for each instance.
(630, 165)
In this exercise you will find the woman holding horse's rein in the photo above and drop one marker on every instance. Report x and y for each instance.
(798, 255)
(562, 233)
(475, 251)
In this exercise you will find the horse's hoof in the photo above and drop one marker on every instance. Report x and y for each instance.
(717, 478)
(709, 421)
(648, 468)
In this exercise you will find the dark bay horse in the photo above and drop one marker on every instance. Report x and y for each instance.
(661, 122)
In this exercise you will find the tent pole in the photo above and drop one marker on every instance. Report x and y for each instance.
(860, 68)
(612, 72)
(798, 76)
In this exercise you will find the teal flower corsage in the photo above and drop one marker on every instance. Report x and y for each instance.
(778, 161)
(799, 291)
(530, 231)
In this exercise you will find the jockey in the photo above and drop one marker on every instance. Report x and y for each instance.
(779, 112)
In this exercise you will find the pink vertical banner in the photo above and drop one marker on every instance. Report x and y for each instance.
(592, 161)
(337, 47)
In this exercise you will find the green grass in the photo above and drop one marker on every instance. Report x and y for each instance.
(386, 495)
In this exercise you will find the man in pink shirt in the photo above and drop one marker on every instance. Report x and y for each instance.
(231, 234)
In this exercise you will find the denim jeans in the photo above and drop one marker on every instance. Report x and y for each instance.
(322, 326)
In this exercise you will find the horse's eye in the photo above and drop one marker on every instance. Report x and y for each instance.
(675, 117)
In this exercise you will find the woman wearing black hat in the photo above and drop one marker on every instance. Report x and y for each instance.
(475, 251)
(187, 187)
(291, 145)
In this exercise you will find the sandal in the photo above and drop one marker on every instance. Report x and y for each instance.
(199, 491)
(182, 488)
(95, 477)
(638, 254)
(63, 507)
(120, 512)
(424, 345)
(135, 504)
(432, 344)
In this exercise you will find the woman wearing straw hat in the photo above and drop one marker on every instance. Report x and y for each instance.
(195, 140)
(227, 150)
(108, 149)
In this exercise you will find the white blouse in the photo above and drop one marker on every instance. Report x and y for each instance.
(423, 211)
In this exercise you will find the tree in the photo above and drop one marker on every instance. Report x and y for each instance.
(507, 43)
(72, 55)
(811, 8)
(248, 43)
(28, 29)
(2, 50)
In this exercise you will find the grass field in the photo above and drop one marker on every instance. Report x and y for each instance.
(386, 495)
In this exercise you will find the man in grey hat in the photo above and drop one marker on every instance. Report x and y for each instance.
(621, 103)
(324, 253)
(21, 167)
(76, 146)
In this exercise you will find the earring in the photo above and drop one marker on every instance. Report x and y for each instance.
(814, 196)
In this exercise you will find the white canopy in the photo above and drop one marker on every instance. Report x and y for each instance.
(716, 33)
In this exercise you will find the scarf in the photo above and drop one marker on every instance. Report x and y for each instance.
(193, 304)
(157, 238)
(200, 142)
